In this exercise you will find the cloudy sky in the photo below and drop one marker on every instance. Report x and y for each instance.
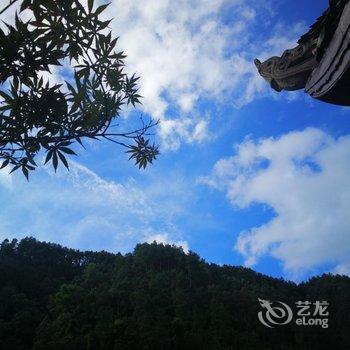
(246, 176)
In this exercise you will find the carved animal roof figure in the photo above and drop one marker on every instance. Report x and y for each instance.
(321, 61)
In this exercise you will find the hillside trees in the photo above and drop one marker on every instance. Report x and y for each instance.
(156, 297)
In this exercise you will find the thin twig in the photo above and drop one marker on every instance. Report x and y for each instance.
(8, 6)
(131, 134)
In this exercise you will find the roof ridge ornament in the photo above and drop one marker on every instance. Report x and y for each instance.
(320, 63)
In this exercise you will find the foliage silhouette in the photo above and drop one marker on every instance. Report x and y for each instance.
(157, 297)
(38, 115)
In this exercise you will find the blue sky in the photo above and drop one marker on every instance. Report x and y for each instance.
(246, 176)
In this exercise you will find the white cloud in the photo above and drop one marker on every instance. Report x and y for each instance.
(187, 51)
(82, 210)
(184, 51)
(304, 177)
(165, 239)
(179, 50)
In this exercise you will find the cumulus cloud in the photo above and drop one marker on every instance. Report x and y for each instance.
(304, 178)
(165, 239)
(179, 51)
(82, 210)
(187, 50)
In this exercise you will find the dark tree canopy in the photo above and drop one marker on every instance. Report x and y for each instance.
(39, 116)
(157, 297)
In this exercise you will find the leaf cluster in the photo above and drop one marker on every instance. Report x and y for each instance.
(39, 116)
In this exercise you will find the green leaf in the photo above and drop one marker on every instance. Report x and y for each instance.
(104, 24)
(5, 96)
(90, 5)
(67, 150)
(65, 143)
(15, 168)
(31, 161)
(101, 9)
(55, 161)
(5, 163)
(25, 172)
(79, 141)
(63, 160)
(48, 156)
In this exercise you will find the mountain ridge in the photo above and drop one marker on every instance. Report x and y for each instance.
(156, 297)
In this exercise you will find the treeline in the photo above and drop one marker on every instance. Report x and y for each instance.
(157, 297)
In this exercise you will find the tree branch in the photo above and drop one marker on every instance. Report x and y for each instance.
(131, 134)
(8, 6)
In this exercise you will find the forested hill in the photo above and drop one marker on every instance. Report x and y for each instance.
(154, 298)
